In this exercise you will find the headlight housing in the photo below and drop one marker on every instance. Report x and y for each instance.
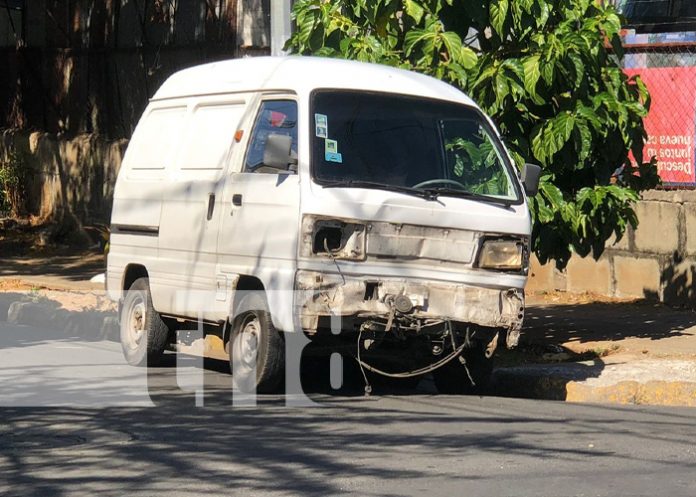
(504, 255)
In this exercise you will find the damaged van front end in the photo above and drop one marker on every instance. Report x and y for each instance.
(413, 304)
(414, 238)
(413, 299)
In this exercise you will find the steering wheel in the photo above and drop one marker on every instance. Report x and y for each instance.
(443, 181)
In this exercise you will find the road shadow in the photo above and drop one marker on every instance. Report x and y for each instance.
(351, 446)
(678, 281)
(596, 322)
(74, 267)
(314, 379)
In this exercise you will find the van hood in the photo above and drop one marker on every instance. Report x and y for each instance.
(363, 204)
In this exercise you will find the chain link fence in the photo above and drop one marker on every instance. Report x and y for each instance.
(666, 62)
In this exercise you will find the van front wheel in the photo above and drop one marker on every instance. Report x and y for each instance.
(256, 348)
(144, 335)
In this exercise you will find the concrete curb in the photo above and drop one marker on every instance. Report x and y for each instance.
(90, 325)
(659, 393)
(7, 300)
(535, 381)
(594, 382)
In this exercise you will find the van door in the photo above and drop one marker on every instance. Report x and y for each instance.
(191, 207)
(260, 223)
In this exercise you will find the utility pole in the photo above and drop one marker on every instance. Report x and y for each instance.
(281, 27)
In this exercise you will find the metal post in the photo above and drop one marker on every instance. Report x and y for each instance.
(281, 27)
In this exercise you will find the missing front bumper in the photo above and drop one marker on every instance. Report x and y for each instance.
(329, 294)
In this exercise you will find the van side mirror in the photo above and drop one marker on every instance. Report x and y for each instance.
(277, 153)
(530, 179)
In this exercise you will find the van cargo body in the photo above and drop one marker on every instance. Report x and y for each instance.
(337, 192)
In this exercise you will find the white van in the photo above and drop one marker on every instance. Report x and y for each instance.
(270, 195)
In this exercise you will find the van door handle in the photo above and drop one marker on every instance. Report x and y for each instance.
(211, 205)
(237, 199)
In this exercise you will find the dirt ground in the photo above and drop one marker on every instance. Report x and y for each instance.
(58, 274)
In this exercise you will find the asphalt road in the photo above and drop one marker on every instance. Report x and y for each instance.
(111, 438)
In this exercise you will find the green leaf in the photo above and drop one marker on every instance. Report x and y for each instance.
(579, 67)
(547, 72)
(498, 13)
(531, 73)
(563, 126)
(553, 194)
(584, 140)
(468, 58)
(453, 43)
(414, 37)
(414, 10)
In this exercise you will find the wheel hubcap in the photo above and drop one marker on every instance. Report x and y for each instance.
(135, 323)
(249, 342)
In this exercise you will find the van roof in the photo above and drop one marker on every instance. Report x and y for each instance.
(302, 75)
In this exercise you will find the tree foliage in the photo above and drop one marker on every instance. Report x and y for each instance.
(547, 71)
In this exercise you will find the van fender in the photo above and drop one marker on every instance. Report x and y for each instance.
(278, 285)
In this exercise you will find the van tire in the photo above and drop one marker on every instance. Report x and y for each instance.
(255, 344)
(453, 379)
(144, 335)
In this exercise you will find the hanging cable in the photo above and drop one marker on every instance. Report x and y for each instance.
(333, 258)
(416, 372)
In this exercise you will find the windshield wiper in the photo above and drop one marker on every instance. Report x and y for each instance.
(356, 183)
(453, 192)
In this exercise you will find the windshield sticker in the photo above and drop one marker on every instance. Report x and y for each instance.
(331, 151)
(321, 126)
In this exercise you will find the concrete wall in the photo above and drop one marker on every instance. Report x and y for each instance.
(77, 173)
(656, 261)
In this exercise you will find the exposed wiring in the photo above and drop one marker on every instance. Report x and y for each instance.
(461, 358)
(333, 258)
(456, 351)
(368, 387)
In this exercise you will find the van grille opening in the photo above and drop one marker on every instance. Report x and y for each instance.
(371, 292)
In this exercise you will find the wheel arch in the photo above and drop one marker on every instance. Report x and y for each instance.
(245, 283)
(132, 273)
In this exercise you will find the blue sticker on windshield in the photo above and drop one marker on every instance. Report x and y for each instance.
(321, 126)
(333, 157)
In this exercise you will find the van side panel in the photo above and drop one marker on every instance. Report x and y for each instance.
(191, 208)
(135, 219)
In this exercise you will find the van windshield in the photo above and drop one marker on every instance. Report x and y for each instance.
(407, 144)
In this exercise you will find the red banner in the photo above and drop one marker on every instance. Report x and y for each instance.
(670, 122)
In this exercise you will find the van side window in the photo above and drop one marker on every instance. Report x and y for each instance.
(274, 117)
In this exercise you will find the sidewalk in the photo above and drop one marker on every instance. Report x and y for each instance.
(639, 353)
(583, 350)
(55, 272)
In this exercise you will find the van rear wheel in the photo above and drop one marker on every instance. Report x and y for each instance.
(144, 335)
(256, 348)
